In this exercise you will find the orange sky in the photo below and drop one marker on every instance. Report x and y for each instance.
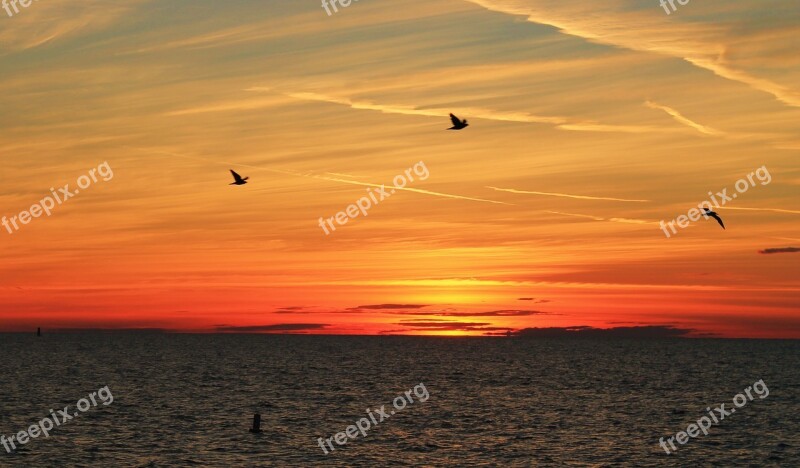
(589, 124)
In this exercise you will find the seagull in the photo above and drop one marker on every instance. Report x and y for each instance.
(237, 179)
(458, 124)
(713, 215)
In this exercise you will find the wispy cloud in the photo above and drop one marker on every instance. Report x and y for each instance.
(477, 113)
(409, 189)
(599, 218)
(650, 331)
(275, 328)
(641, 31)
(779, 250)
(533, 299)
(389, 306)
(782, 93)
(330, 179)
(772, 210)
(684, 120)
(491, 313)
(233, 106)
(564, 195)
(39, 25)
(446, 325)
(470, 112)
(291, 310)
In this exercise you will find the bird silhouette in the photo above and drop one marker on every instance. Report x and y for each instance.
(237, 179)
(458, 124)
(715, 216)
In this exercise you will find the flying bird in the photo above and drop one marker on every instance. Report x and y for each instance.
(237, 179)
(715, 216)
(458, 124)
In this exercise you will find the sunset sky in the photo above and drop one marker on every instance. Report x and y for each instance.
(590, 122)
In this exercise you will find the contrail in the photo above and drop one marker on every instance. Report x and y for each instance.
(428, 192)
(774, 210)
(475, 112)
(331, 179)
(408, 110)
(598, 218)
(601, 30)
(565, 195)
(680, 118)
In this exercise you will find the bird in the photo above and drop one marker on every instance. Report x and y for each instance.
(714, 215)
(458, 124)
(237, 179)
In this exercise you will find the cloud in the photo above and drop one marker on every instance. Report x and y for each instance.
(699, 44)
(535, 300)
(407, 189)
(598, 218)
(650, 331)
(389, 306)
(469, 112)
(780, 250)
(493, 313)
(629, 221)
(444, 325)
(277, 328)
(522, 117)
(596, 127)
(232, 106)
(565, 195)
(107, 330)
(291, 310)
(771, 210)
(684, 120)
(413, 310)
(330, 179)
(41, 24)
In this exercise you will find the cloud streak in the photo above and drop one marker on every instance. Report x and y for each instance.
(275, 328)
(389, 307)
(771, 210)
(779, 250)
(492, 313)
(684, 120)
(649, 331)
(642, 32)
(478, 113)
(599, 218)
(330, 179)
(472, 112)
(445, 325)
(564, 195)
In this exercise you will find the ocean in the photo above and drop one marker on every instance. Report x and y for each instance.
(188, 400)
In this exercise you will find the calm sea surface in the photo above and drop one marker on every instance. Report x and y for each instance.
(188, 400)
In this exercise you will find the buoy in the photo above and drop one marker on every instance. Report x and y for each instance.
(256, 424)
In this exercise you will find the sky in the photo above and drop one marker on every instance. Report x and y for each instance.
(590, 123)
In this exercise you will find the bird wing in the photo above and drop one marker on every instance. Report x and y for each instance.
(455, 120)
(719, 220)
(236, 176)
